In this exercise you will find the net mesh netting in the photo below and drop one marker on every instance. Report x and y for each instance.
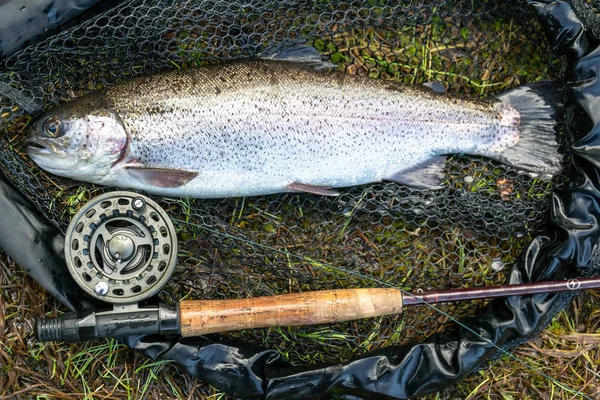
(464, 235)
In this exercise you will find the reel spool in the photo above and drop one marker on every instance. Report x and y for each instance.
(121, 247)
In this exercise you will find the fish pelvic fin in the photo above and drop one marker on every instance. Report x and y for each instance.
(302, 187)
(428, 174)
(537, 149)
(161, 177)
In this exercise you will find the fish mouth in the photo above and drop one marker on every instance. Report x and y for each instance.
(43, 147)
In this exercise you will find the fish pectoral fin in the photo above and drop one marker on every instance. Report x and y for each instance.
(133, 164)
(161, 177)
(302, 187)
(428, 174)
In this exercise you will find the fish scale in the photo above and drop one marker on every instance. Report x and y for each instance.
(261, 127)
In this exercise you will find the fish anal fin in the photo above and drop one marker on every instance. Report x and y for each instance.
(435, 86)
(302, 187)
(428, 174)
(161, 177)
(301, 56)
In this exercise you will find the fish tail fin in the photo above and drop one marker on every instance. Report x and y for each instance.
(537, 149)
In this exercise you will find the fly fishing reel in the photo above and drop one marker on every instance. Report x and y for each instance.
(121, 247)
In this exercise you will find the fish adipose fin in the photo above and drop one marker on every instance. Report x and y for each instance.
(301, 187)
(428, 174)
(161, 177)
(537, 149)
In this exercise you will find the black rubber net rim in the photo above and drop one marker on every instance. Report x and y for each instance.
(566, 249)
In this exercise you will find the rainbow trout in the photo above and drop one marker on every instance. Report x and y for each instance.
(264, 126)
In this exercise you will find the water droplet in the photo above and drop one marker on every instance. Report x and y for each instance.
(497, 265)
(382, 209)
(23, 8)
(40, 259)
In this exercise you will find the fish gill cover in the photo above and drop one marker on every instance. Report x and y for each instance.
(464, 235)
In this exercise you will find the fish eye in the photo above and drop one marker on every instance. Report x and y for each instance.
(52, 127)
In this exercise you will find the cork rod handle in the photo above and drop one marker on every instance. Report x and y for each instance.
(199, 317)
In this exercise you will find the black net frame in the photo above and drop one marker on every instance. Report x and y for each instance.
(487, 214)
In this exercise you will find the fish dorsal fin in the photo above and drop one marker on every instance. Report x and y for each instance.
(298, 55)
(161, 177)
(427, 174)
(302, 187)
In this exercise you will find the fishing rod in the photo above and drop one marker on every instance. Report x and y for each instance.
(200, 317)
(121, 248)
